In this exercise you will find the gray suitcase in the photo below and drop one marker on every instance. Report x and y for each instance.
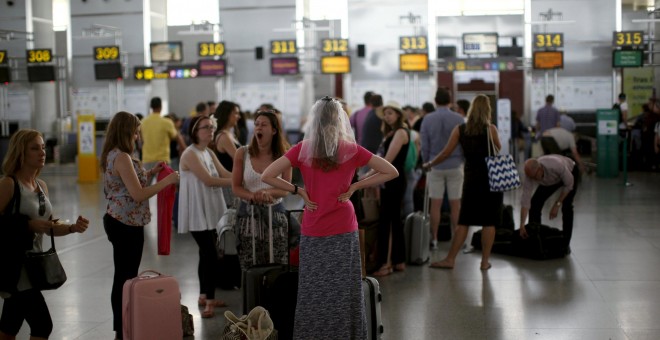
(372, 301)
(417, 231)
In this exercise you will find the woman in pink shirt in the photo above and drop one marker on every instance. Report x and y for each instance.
(330, 301)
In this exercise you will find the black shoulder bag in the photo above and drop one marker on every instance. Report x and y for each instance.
(44, 269)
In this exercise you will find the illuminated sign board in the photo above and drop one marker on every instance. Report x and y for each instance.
(418, 62)
(416, 43)
(480, 64)
(148, 73)
(283, 47)
(182, 72)
(39, 56)
(106, 53)
(627, 58)
(548, 60)
(212, 68)
(3, 57)
(284, 66)
(334, 45)
(210, 49)
(548, 40)
(335, 64)
(628, 38)
(480, 43)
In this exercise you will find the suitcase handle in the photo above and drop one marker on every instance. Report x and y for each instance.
(426, 196)
(149, 271)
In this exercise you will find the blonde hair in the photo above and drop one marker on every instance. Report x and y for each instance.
(18, 144)
(478, 117)
(120, 134)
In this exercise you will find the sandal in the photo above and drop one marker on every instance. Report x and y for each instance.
(216, 303)
(383, 271)
(207, 314)
(441, 265)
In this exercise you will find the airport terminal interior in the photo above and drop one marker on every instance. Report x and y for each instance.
(67, 66)
(607, 288)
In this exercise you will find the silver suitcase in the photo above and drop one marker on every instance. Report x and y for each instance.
(417, 231)
(372, 301)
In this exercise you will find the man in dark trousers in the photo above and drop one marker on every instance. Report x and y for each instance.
(544, 176)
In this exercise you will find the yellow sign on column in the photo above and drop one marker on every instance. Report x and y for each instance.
(87, 162)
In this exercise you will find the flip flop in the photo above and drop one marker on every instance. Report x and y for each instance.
(485, 268)
(440, 265)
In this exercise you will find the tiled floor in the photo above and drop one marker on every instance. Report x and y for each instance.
(608, 288)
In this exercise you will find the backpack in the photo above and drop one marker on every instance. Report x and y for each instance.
(411, 157)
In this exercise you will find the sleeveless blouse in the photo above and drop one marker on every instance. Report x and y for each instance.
(121, 206)
(200, 206)
(252, 179)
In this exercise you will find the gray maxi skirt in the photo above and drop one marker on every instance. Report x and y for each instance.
(330, 298)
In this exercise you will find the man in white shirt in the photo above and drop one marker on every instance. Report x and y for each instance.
(565, 144)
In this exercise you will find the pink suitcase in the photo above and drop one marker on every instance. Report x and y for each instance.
(151, 307)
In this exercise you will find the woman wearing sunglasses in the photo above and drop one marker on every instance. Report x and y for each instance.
(26, 156)
(201, 205)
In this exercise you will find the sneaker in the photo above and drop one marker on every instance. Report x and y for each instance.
(434, 245)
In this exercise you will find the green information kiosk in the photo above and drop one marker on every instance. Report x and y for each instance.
(608, 143)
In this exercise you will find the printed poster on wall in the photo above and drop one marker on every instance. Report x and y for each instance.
(86, 133)
(638, 87)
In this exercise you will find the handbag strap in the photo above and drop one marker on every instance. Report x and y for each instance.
(16, 199)
(491, 143)
(52, 240)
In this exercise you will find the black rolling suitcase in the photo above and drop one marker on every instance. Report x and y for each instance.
(274, 287)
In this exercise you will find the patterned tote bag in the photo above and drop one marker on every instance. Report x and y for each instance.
(502, 171)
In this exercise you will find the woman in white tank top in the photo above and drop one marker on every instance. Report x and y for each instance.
(201, 204)
(257, 197)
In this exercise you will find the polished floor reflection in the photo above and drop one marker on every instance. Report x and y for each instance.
(608, 288)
